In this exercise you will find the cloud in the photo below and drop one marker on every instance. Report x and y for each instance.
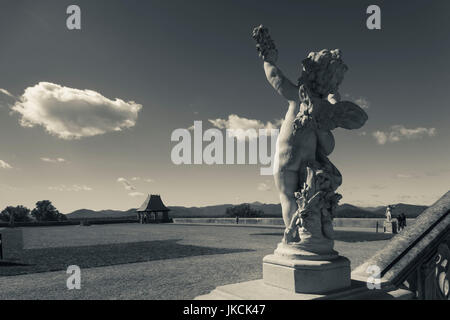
(363, 103)
(72, 113)
(380, 136)
(238, 125)
(377, 187)
(399, 132)
(6, 92)
(263, 187)
(5, 165)
(140, 179)
(403, 176)
(56, 160)
(136, 194)
(126, 184)
(5, 98)
(9, 188)
(406, 176)
(73, 188)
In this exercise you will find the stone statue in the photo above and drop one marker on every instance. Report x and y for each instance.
(306, 179)
(389, 213)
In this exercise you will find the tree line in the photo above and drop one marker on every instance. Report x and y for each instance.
(243, 211)
(44, 211)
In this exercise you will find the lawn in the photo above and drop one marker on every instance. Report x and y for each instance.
(132, 261)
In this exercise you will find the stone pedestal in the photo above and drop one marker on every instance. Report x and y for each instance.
(307, 276)
(317, 270)
(293, 274)
(11, 245)
(390, 227)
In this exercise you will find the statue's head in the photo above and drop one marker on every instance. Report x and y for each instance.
(323, 72)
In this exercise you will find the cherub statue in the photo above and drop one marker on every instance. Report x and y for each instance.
(305, 140)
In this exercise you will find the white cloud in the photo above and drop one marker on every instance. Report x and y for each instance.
(72, 113)
(363, 103)
(6, 92)
(139, 179)
(406, 176)
(126, 184)
(263, 187)
(380, 136)
(399, 132)
(74, 188)
(55, 160)
(136, 194)
(5, 98)
(4, 165)
(240, 124)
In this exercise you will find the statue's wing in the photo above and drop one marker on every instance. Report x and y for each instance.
(348, 115)
(344, 114)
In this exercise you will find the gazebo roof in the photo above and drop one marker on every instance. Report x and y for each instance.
(153, 203)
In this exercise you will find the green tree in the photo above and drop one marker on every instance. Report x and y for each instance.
(45, 211)
(19, 214)
(244, 211)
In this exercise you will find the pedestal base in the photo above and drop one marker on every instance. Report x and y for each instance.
(255, 290)
(258, 290)
(307, 276)
(390, 227)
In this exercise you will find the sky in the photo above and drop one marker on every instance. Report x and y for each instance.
(86, 116)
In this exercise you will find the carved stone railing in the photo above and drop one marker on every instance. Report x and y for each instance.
(416, 261)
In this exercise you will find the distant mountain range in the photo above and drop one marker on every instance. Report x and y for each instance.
(270, 210)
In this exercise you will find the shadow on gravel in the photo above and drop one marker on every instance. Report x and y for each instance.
(54, 259)
(345, 236)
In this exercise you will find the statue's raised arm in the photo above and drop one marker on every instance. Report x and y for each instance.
(269, 53)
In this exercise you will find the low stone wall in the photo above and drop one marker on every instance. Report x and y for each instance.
(338, 222)
(257, 221)
(359, 223)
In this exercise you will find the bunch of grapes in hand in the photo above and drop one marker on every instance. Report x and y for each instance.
(264, 44)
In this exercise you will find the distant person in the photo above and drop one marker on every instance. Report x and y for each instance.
(395, 224)
(403, 221)
(237, 219)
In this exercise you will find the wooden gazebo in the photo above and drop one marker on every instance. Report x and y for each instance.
(149, 210)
